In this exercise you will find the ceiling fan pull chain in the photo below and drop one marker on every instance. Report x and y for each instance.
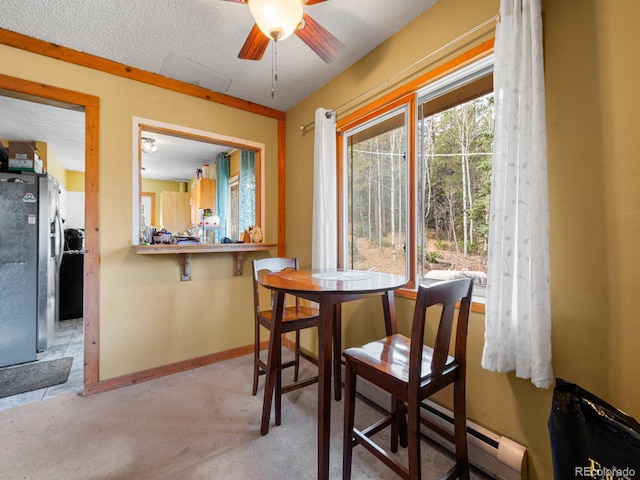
(274, 66)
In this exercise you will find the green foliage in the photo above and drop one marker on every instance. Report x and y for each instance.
(377, 186)
(457, 158)
(454, 178)
(444, 245)
(431, 257)
(476, 248)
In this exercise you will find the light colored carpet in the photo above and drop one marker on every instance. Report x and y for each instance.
(201, 424)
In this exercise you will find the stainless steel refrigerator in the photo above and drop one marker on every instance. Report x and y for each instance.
(31, 247)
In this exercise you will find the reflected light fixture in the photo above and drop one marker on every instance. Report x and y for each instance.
(277, 19)
(149, 145)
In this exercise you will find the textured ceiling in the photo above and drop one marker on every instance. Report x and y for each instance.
(62, 130)
(198, 40)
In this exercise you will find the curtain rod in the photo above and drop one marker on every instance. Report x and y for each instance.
(304, 128)
(231, 152)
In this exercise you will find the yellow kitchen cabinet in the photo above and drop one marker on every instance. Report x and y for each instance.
(203, 195)
(174, 211)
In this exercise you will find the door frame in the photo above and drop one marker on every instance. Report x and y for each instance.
(91, 105)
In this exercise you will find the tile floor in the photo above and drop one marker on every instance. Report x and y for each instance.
(68, 343)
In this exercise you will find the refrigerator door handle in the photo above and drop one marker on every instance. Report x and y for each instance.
(59, 238)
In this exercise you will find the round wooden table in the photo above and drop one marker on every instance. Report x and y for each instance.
(328, 288)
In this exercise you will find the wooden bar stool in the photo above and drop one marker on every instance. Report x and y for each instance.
(296, 318)
(411, 371)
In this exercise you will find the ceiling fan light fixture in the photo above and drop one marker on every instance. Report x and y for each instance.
(277, 19)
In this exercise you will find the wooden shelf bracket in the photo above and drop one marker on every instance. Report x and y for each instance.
(186, 267)
(238, 262)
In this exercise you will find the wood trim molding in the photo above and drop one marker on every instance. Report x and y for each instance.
(411, 87)
(92, 247)
(411, 160)
(40, 47)
(91, 105)
(153, 373)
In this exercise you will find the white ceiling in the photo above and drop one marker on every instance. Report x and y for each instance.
(162, 164)
(62, 129)
(197, 39)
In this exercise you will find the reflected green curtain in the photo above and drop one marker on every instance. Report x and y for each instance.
(247, 189)
(222, 191)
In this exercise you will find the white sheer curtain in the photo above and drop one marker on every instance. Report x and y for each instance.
(518, 306)
(325, 223)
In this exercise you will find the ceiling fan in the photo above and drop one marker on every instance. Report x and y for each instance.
(277, 19)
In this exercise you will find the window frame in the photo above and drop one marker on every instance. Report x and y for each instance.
(411, 93)
(461, 86)
(403, 108)
(140, 124)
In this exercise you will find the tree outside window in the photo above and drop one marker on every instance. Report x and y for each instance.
(454, 187)
(443, 234)
(376, 186)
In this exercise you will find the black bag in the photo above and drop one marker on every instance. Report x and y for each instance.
(4, 159)
(591, 439)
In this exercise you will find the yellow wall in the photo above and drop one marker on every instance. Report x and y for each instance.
(52, 163)
(75, 181)
(159, 186)
(234, 163)
(592, 103)
(148, 317)
(592, 111)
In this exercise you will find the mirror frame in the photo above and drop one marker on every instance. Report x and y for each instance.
(140, 124)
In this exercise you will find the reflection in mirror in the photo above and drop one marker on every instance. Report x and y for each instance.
(148, 208)
(208, 187)
(234, 187)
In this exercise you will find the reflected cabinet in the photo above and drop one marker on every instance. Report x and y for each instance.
(203, 196)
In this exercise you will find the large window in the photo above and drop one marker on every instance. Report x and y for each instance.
(454, 155)
(443, 234)
(376, 194)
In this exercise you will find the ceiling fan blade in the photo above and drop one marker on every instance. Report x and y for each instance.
(239, 1)
(312, 2)
(255, 45)
(319, 39)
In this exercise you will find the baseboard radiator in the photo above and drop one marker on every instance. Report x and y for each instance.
(494, 454)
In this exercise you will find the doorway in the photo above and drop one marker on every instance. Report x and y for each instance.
(54, 98)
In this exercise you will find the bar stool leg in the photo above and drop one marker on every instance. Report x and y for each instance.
(296, 368)
(349, 413)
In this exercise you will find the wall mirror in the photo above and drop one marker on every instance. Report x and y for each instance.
(205, 187)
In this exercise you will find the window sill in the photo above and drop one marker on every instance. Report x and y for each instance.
(185, 251)
(477, 305)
